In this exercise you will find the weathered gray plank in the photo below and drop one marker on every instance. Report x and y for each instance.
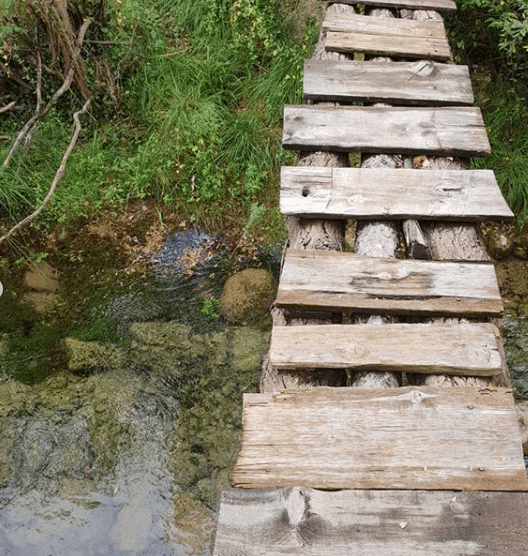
(447, 5)
(464, 349)
(296, 522)
(424, 82)
(332, 281)
(449, 131)
(398, 37)
(403, 438)
(379, 193)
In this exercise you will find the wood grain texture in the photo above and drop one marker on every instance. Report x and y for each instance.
(394, 37)
(296, 522)
(327, 280)
(425, 82)
(449, 131)
(448, 195)
(403, 438)
(447, 5)
(465, 349)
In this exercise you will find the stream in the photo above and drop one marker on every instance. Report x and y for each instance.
(125, 450)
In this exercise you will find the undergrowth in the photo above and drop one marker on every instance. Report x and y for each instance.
(188, 100)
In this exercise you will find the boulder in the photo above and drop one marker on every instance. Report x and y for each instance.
(499, 245)
(522, 413)
(247, 295)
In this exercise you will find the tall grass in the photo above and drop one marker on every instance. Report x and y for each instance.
(506, 118)
(199, 113)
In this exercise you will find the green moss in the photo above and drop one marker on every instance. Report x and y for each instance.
(208, 430)
(85, 356)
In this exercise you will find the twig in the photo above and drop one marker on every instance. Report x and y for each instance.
(7, 107)
(59, 174)
(32, 131)
(35, 120)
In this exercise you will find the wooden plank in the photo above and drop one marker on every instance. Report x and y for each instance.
(333, 281)
(449, 131)
(423, 82)
(402, 438)
(446, 5)
(396, 37)
(381, 193)
(296, 522)
(456, 348)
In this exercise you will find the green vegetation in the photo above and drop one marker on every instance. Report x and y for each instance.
(492, 37)
(187, 100)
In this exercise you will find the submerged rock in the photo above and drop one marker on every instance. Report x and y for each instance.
(89, 356)
(247, 295)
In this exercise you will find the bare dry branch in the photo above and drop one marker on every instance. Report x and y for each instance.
(59, 174)
(7, 107)
(33, 122)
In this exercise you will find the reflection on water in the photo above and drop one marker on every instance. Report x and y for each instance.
(80, 511)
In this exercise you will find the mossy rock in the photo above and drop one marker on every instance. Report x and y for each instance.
(247, 295)
(87, 356)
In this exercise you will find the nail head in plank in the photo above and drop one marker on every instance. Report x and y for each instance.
(402, 438)
(457, 348)
(380, 193)
(447, 5)
(423, 82)
(371, 523)
(333, 281)
(449, 131)
(396, 37)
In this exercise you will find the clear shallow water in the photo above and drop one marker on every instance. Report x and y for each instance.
(93, 457)
(128, 458)
(125, 512)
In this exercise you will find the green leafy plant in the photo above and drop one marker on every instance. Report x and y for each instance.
(210, 308)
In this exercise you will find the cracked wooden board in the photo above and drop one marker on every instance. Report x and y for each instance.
(296, 522)
(424, 82)
(447, 5)
(332, 281)
(446, 131)
(393, 37)
(466, 349)
(381, 193)
(402, 438)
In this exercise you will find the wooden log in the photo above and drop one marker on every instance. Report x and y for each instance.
(398, 37)
(416, 83)
(311, 234)
(417, 246)
(456, 349)
(446, 195)
(329, 281)
(449, 131)
(296, 522)
(378, 239)
(448, 241)
(403, 438)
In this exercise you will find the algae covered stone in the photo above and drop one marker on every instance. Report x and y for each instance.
(87, 356)
(247, 295)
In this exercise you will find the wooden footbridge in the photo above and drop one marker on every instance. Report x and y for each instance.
(385, 423)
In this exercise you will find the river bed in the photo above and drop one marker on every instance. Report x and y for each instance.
(124, 450)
